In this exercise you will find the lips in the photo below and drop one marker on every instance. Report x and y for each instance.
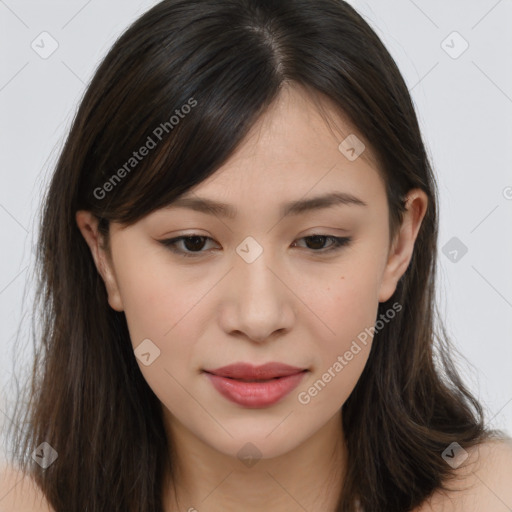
(248, 372)
(255, 386)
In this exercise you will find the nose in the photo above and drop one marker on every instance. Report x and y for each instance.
(259, 305)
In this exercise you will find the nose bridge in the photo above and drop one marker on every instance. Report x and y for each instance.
(259, 296)
(257, 283)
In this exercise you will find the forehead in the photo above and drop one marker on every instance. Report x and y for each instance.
(293, 151)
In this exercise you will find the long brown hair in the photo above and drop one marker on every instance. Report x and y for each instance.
(87, 397)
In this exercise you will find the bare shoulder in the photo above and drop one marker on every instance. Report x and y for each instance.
(483, 481)
(19, 493)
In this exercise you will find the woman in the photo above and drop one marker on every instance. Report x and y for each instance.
(238, 256)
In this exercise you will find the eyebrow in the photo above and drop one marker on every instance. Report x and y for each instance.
(209, 206)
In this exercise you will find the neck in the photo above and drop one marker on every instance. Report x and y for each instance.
(309, 477)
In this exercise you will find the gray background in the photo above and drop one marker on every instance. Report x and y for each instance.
(464, 103)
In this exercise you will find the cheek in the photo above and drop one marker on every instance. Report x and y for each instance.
(348, 306)
(158, 297)
(161, 309)
(341, 355)
(349, 298)
(159, 304)
(353, 311)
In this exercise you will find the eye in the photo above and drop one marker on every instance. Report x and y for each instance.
(319, 240)
(194, 244)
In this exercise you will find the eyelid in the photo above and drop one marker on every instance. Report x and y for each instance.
(338, 243)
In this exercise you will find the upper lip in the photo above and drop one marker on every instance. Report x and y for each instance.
(248, 371)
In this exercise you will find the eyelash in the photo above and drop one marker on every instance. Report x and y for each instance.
(338, 244)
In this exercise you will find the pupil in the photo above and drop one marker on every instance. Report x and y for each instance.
(191, 243)
(317, 238)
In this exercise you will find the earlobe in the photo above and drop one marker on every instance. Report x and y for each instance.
(402, 247)
(88, 225)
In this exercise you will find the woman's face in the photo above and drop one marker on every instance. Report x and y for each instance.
(256, 289)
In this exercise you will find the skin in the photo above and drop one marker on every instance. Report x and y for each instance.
(291, 305)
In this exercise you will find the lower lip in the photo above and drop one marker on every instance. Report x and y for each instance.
(255, 394)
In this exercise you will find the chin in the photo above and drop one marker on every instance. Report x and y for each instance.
(249, 442)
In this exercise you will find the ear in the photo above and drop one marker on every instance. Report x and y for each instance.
(401, 250)
(88, 225)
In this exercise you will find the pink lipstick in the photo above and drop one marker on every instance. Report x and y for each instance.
(255, 386)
